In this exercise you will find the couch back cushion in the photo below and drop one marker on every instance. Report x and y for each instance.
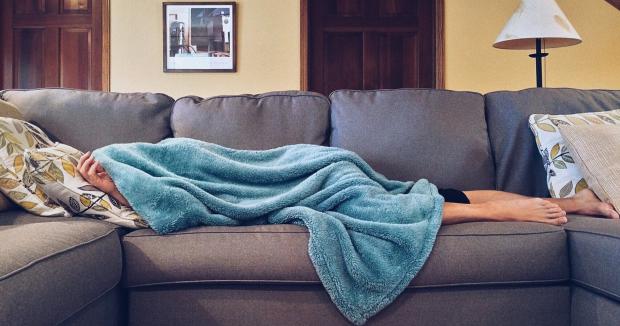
(254, 121)
(408, 134)
(88, 120)
(518, 164)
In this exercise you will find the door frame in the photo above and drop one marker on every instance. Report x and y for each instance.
(6, 53)
(438, 49)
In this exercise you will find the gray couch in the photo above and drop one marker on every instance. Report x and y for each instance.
(85, 272)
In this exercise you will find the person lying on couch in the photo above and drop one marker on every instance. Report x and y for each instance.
(368, 236)
(459, 206)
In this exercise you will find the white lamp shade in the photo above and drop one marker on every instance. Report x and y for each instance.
(537, 19)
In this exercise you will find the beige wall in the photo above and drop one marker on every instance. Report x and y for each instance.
(268, 53)
(473, 64)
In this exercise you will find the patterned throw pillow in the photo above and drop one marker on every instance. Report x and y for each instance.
(15, 182)
(563, 176)
(8, 110)
(54, 169)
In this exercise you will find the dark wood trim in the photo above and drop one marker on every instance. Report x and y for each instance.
(165, 40)
(6, 11)
(439, 45)
(615, 3)
(304, 83)
(105, 45)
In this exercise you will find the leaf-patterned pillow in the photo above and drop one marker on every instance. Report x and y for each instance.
(563, 176)
(15, 182)
(54, 169)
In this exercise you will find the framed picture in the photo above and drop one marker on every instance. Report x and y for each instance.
(200, 37)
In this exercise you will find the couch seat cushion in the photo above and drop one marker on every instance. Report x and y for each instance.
(474, 253)
(50, 268)
(594, 246)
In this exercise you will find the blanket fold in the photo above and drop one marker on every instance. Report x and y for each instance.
(369, 236)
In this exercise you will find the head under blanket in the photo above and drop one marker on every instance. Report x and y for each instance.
(369, 236)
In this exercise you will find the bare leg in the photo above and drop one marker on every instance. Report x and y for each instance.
(483, 196)
(525, 210)
(585, 202)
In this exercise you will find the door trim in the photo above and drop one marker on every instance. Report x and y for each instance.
(439, 49)
(105, 45)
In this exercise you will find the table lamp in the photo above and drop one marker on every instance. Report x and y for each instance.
(534, 25)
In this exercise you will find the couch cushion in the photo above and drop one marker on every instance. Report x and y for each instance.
(88, 119)
(473, 253)
(518, 165)
(254, 121)
(408, 134)
(594, 247)
(51, 269)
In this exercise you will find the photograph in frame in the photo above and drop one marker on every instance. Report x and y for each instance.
(199, 36)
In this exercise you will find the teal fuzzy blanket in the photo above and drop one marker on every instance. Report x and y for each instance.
(369, 236)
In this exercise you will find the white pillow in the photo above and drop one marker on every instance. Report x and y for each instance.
(54, 169)
(563, 176)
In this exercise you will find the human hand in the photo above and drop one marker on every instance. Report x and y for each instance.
(95, 174)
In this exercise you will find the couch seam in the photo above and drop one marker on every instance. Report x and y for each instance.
(84, 306)
(593, 233)
(401, 89)
(199, 99)
(552, 88)
(75, 89)
(40, 259)
(305, 232)
(318, 282)
(604, 293)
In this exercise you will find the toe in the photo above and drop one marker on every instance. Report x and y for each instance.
(554, 210)
(556, 215)
(611, 213)
(560, 220)
(549, 204)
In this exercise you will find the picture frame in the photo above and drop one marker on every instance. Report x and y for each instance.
(199, 37)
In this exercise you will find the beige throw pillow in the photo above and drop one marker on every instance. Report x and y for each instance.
(8, 110)
(596, 150)
(54, 169)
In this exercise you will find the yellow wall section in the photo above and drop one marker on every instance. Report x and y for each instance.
(473, 64)
(267, 53)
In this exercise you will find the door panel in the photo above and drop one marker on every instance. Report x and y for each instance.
(29, 56)
(75, 6)
(369, 44)
(343, 60)
(51, 43)
(75, 66)
(30, 7)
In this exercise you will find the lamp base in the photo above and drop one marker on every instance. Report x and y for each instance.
(538, 56)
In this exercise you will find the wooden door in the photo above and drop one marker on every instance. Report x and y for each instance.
(55, 43)
(370, 44)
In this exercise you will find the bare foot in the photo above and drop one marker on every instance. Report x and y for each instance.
(527, 210)
(587, 203)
